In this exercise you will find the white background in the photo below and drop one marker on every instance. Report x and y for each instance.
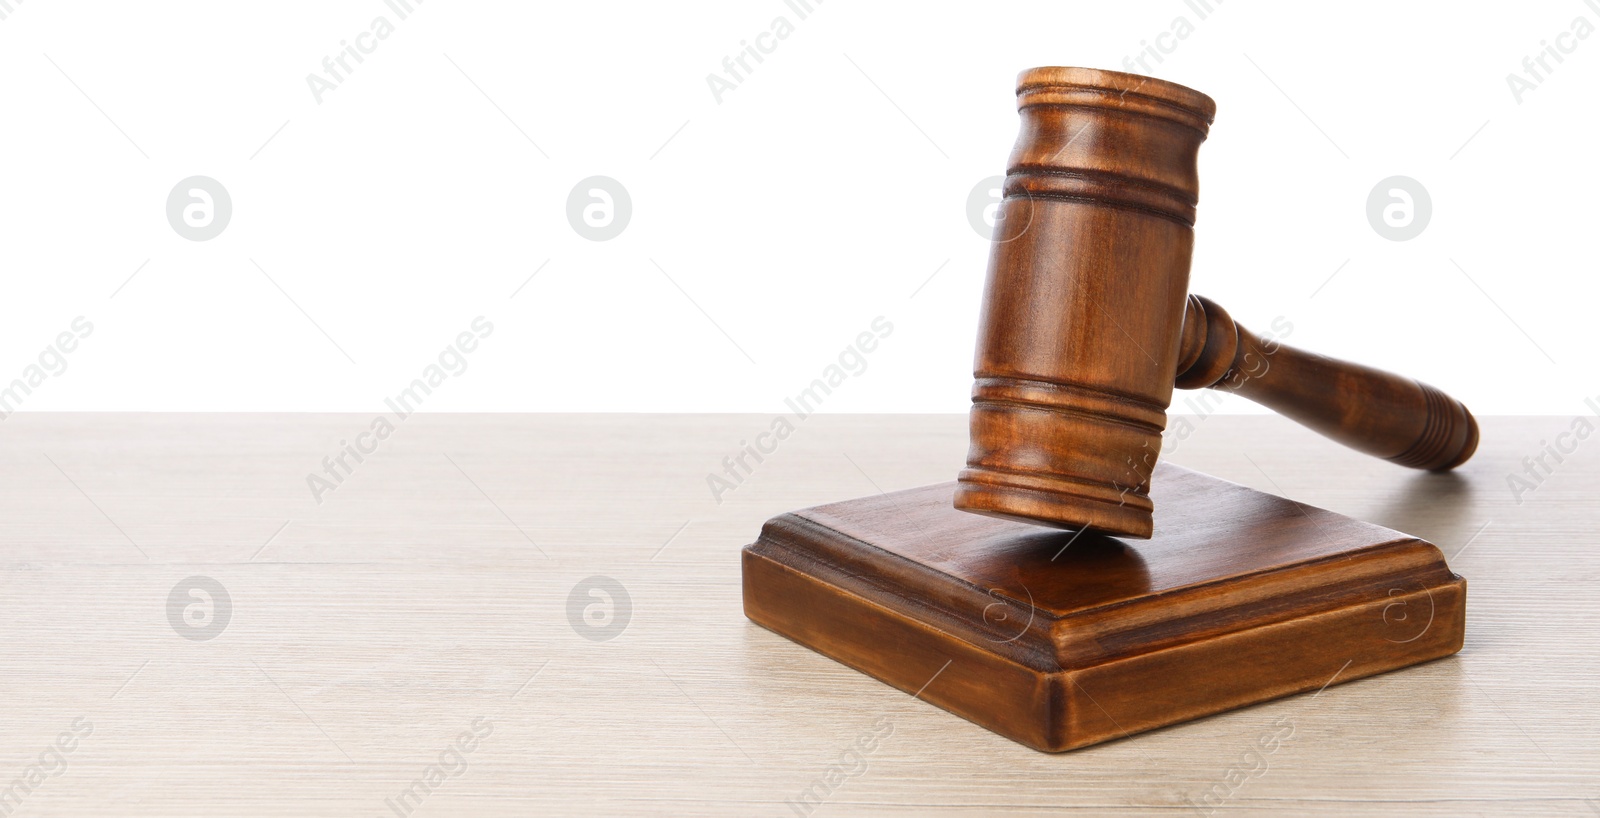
(822, 192)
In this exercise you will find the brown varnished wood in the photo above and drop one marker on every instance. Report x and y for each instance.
(1064, 639)
(1087, 284)
(1380, 413)
(1087, 321)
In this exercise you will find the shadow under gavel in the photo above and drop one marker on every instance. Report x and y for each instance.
(1087, 322)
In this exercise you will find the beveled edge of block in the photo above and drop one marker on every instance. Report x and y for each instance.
(967, 611)
(1055, 710)
(1048, 641)
(1129, 666)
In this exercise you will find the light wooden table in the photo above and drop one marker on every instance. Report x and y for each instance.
(430, 593)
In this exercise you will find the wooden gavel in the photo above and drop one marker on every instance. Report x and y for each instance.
(1088, 324)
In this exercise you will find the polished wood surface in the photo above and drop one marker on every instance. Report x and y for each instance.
(410, 603)
(1087, 283)
(1390, 416)
(1061, 640)
(1087, 319)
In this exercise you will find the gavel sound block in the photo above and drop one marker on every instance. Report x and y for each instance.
(1033, 616)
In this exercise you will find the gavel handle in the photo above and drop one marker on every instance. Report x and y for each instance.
(1396, 418)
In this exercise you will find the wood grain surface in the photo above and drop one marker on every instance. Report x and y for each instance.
(416, 623)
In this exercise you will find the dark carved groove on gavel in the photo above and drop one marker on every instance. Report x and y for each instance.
(1087, 322)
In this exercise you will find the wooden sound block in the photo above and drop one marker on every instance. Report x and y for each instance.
(1061, 639)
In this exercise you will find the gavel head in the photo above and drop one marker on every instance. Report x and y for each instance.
(1083, 308)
